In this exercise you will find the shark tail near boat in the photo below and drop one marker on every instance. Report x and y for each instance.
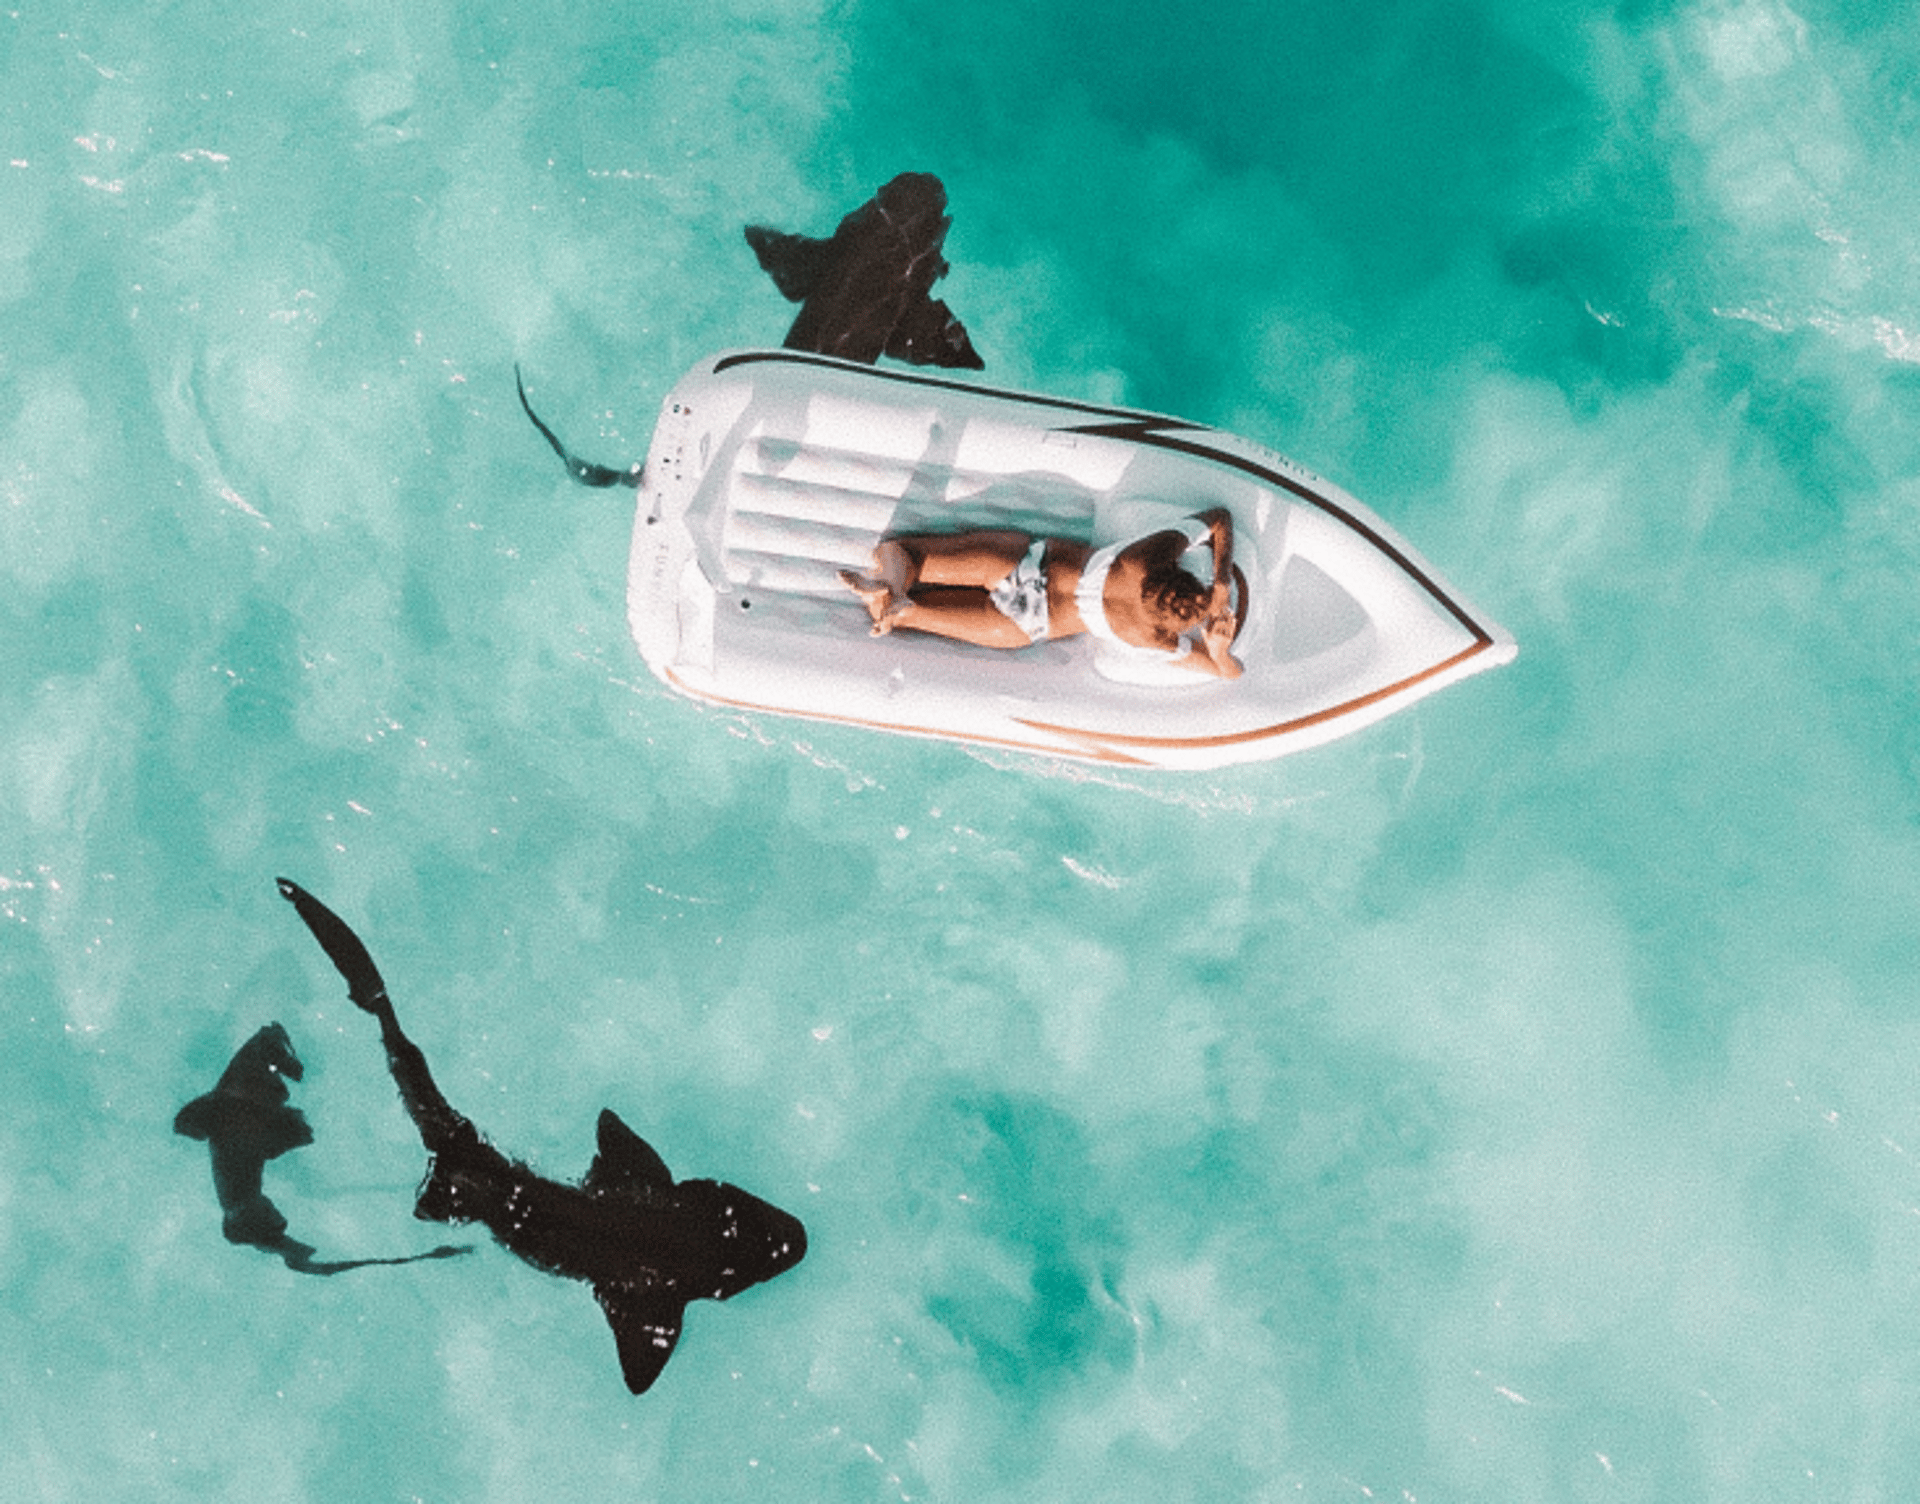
(865, 291)
(584, 472)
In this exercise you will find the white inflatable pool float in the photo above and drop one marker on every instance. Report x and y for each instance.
(772, 470)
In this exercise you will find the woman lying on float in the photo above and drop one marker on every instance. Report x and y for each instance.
(1003, 589)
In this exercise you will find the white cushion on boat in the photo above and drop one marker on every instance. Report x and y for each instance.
(837, 421)
(799, 511)
(788, 576)
(992, 447)
(816, 465)
(832, 506)
(800, 538)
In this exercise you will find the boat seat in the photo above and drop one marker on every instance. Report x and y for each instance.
(798, 511)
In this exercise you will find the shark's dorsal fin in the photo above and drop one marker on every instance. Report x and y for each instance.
(625, 1160)
(646, 1325)
(795, 262)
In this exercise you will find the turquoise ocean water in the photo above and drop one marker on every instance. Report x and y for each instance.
(1517, 1101)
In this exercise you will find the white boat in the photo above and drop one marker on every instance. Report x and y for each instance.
(772, 470)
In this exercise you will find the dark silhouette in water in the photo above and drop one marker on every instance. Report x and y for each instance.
(647, 1244)
(246, 1121)
(584, 471)
(864, 292)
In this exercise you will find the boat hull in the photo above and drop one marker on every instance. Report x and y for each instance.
(770, 470)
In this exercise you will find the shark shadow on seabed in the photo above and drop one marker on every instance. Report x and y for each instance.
(246, 1120)
(648, 1244)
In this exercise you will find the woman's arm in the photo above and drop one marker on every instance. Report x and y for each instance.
(1214, 655)
(1219, 523)
(1217, 631)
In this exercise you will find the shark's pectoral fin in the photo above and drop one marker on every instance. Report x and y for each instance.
(440, 1197)
(929, 335)
(276, 1131)
(646, 1325)
(240, 1126)
(795, 262)
(625, 1160)
(197, 1118)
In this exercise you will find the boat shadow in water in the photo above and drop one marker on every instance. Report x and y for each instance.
(247, 1120)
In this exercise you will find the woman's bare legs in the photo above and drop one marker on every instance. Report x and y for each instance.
(937, 582)
(958, 611)
(981, 559)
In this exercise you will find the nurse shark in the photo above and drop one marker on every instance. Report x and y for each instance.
(864, 291)
(245, 1121)
(646, 1243)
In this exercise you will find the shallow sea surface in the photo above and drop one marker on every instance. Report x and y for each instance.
(1519, 1100)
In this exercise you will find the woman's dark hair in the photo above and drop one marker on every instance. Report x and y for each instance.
(1169, 588)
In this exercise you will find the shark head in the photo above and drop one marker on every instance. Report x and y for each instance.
(257, 1067)
(759, 1239)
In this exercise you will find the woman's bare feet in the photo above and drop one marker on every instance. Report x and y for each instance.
(877, 597)
(884, 592)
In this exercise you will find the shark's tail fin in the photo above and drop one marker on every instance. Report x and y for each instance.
(584, 471)
(441, 1127)
(343, 948)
